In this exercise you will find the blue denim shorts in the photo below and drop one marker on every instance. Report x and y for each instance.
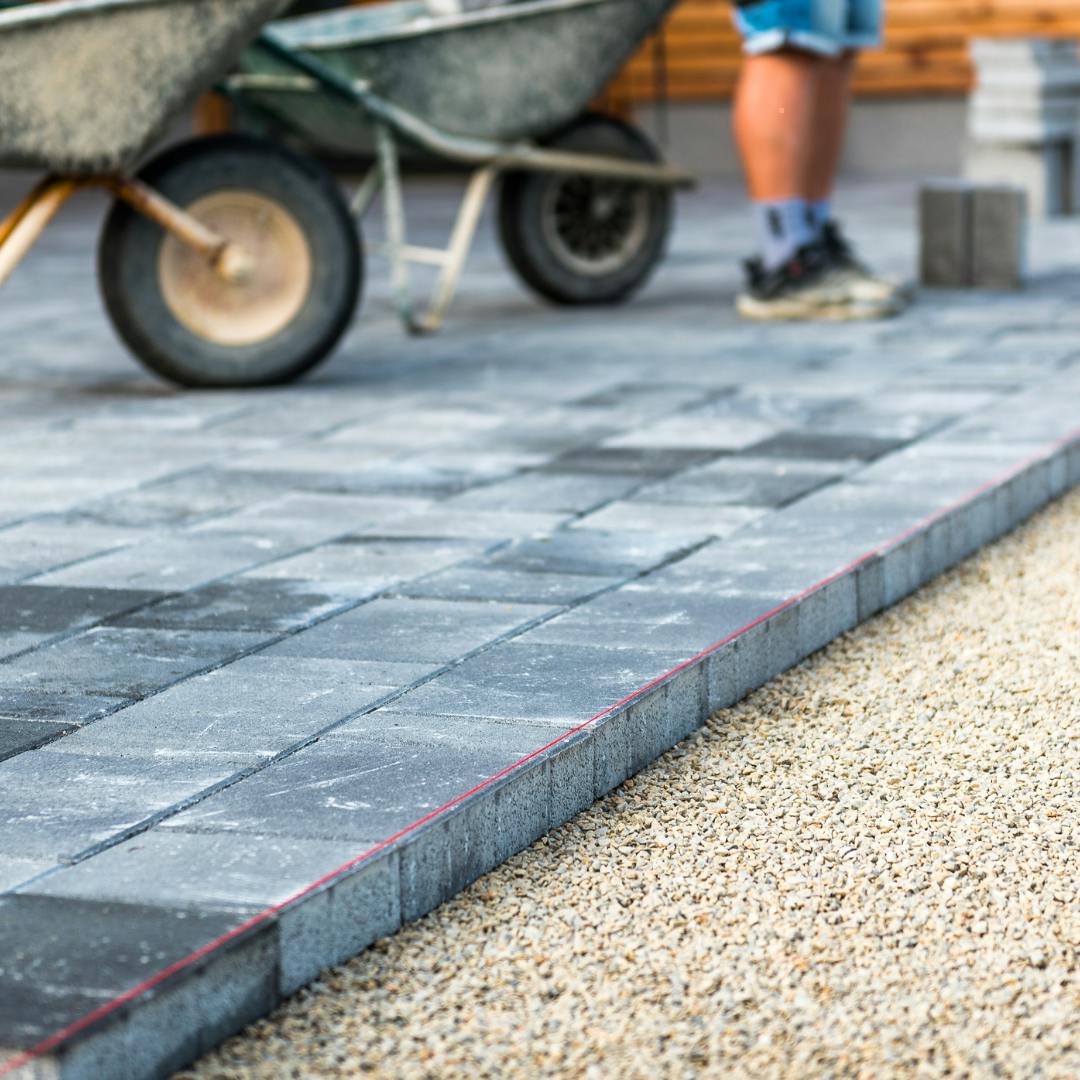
(826, 27)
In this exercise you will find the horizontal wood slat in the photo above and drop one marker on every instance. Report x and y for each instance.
(925, 51)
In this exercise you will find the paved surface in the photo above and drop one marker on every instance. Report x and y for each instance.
(246, 638)
(864, 870)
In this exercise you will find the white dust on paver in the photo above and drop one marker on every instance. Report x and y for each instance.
(868, 869)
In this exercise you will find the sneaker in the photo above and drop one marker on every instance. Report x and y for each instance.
(807, 287)
(864, 282)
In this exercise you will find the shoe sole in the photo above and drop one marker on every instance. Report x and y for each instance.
(779, 311)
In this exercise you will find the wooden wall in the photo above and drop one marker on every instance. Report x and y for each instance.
(925, 46)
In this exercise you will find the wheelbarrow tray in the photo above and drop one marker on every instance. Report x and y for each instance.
(512, 72)
(86, 86)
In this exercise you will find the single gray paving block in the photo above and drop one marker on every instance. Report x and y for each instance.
(174, 562)
(184, 1016)
(483, 527)
(475, 581)
(367, 780)
(46, 611)
(825, 446)
(675, 624)
(39, 546)
(241, 604)
(119, 663)
(592, 552)
(999, 230)
(56, 706)
(60, 806)
(696, 430)
(631, 461)
(946, 227)
(249, 711)
(61, 958)
(554, 684)
(17, 736)
(342, 917)
(364, 567)
(410, 631)
(722, 484)
(551, 492)
(242, 872)
(687, 523)
(16, 870)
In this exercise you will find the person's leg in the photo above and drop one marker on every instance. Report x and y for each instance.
(774, 117)
(832, 101)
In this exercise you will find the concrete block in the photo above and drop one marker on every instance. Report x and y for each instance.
(999, 237)
(613, 753)
(870, 587)
(185, 1018)
(571, 773)
(522, 809)
(722, 678)
(1044, 171)
(945, 230)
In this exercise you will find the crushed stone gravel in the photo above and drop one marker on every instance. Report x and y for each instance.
(867, 869)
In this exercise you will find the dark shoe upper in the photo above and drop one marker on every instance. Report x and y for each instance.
(805, 268)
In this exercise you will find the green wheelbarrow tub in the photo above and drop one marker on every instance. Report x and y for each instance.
(512, 72)
(87, 86)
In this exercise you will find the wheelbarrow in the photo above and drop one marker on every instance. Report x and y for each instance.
(224, 262)
(585, 201)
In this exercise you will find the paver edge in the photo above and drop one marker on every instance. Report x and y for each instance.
(905, 563)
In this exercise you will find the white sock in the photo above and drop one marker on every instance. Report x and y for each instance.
(821, 214)
(783, 226)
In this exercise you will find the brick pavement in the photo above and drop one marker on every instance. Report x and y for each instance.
(246, 637)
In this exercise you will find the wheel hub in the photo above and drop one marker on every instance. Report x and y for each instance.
(243, 309)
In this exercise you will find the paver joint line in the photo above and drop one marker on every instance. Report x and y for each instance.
(185, 963)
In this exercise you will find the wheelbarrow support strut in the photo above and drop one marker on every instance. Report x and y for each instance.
(24, 226)
(487, 158)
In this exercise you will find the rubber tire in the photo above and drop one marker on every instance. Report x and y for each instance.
(130, 247)
(521, 201)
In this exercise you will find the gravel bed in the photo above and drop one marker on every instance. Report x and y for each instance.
(867, 869)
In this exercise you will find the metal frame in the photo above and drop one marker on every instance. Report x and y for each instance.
(23, 227)
(488, 159)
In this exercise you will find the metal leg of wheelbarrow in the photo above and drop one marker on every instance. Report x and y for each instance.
(450, 261)
(21, 230)
(24, 226)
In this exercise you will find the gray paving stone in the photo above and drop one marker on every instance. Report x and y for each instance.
(632, 461)
(55, 706)
(410, 631)
(365, 782)
(689, 523)
(461, 473)
(548, 492)
(37, 547)
(246, 712)
(31, 614)
(240, 872)
(18, 735)
(172, 563)
(478, 526)
(591, 552)
(83, 954)
(117, 663)
(825, 446)
(480, 582)
(59, 806)
(552, 683)
(271, 606)
(364, 567)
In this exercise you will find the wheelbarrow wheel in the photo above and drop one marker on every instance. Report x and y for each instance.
(276, 321)
(583, 239)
